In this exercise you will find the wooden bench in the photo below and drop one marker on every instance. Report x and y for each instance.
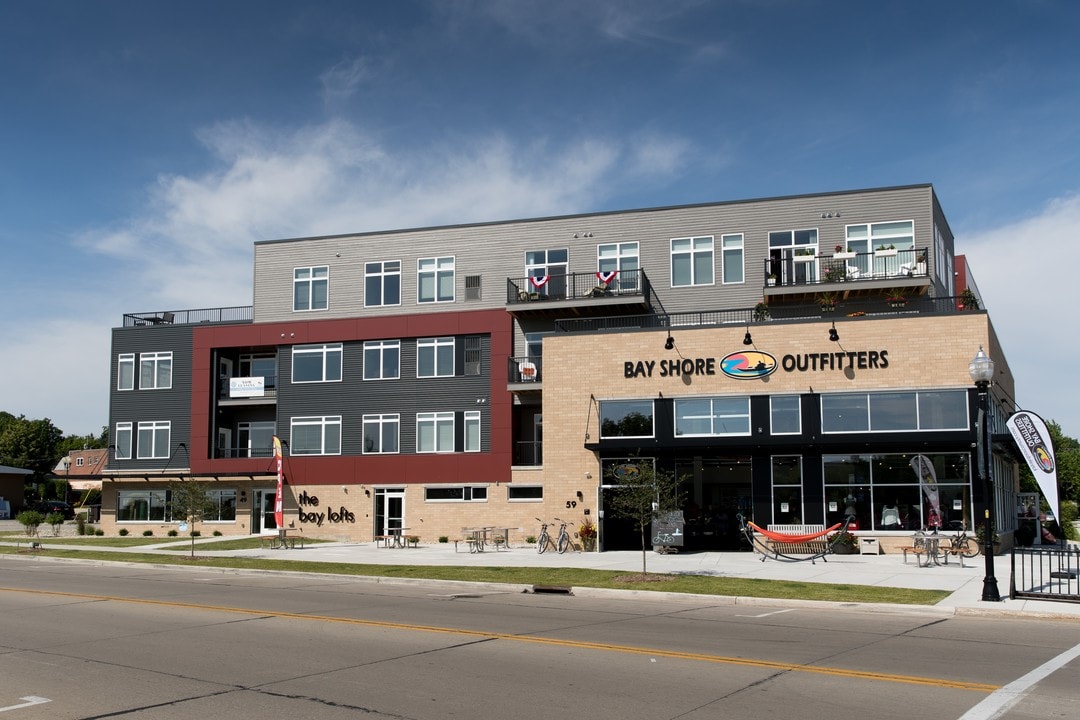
(916, 551)
(385, 540)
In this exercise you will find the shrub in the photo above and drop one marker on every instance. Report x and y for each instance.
(196, 533)
(531, 539)
(173, 533)
(217, 533)
(56, 520)
(30, 519)
(99, 532)
(123, 532)
(90, 530)
(147, 533)
(80, 523)
(444, 539)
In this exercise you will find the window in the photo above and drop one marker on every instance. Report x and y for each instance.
(435, 432)
(865, 239)
(381, 433)
(262, 365)
(472, 431)
(785, 415)
(435, 357)
(468, 493)
(125, 372)
(255, 439)
(712, 416)
(142, 506)
(524, 493)
(123, 441)
(733, 258)
(626, 418)
(153, 440)
(315, 435)
(473, 354)
(691, 261)
(79, 462)
(382, 283)
(894, 411)
(787, 489)
(552, 264)
(621, 258)
(311, 288)
(155, 371)
(382, 360)
(224, 504)
(435, 280)
(316, 363)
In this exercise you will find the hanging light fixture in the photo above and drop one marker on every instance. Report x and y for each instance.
(669, 343)
(747, 339)
(833, 335)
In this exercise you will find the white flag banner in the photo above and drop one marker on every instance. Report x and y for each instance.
(924, 469)
(1031, 436)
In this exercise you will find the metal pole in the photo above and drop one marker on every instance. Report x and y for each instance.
(990, 591)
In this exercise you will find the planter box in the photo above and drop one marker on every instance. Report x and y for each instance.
(804, 258)
(844, 256)
(885, 253)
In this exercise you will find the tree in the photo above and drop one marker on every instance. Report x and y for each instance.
(641, 493)
(190, 502)
(29, 444)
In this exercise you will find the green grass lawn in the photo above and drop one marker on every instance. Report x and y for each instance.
(558, 577)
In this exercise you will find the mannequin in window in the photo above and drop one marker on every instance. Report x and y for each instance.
(890, 517)
(849, 511)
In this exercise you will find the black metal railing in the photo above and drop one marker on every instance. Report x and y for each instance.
(244, 452)
(576, 286)
(526, 369)
(269, 386)
(528, 453)
(191, 317)
(813, 269)
(1048, 572)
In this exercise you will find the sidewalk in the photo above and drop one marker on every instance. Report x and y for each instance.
(964, 584)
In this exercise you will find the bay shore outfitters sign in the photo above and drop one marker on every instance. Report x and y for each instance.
(755, 364)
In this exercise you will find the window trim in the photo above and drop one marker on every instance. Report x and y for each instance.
(153, 427)
(325, 349)
(125, 360)
(692, 252)
(322, 421)
(470, 419)
(468, 493)
(433, 344)
(437, 420)
(156, 360)
(381, 346)
(713, 416)
(512, 487)
(382, 274)
(381, 420)
(741, 250)
(314, 278)
(437, 271)
(124, 429)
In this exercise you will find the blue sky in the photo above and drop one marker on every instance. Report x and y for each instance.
(144, 146)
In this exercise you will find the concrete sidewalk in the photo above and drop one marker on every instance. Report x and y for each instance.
(963, 583)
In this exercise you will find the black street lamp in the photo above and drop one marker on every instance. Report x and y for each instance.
(981, 369)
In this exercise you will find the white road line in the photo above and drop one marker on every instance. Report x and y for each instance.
(774, 612)
(995, 704)
(30, 700)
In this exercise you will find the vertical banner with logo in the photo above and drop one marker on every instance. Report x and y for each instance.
(924, 469)
(279, 515)
(1031, 436)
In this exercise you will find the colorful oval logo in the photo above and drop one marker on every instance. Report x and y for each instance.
(626, 471)
(1043, 457)
(748, 365)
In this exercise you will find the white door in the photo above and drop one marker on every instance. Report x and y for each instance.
(262, 512)
(389, 511)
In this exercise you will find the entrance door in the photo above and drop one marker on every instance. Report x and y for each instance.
(389, 510)
(262, 512)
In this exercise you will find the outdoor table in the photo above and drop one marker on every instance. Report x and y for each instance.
(397, 537)
(931, 544)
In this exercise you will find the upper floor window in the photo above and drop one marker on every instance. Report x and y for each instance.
(318, 435)
(784, 414)
(435, 357)
(435, 432)
(382, 359)
(155, 371)
(123, 441)
(381, 433)
(712, 416)
(311, 288)
(626, 418)
(733, 258)
(472, 431)
(382, 283)
(621, 258)
(691, 261)
(435, 280)
(894, 411)
(125, 372)
(316, 363)
(547, 270)
(474, 351)
(262, 365)
(79, 462)
(153, 440)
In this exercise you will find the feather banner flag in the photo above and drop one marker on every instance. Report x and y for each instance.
(279, 514)
(924, 469)
(1031, 436)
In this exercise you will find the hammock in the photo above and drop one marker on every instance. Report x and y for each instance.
(752, 531)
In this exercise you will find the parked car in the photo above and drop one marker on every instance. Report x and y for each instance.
(57, 506)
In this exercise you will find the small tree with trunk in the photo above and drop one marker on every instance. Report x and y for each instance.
(641, 494)
(190, 502)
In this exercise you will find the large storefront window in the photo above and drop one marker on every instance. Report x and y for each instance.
(626, 418)
(787, 489)
(894, 411)
(712, 416)
(884, 492)
(142, 506)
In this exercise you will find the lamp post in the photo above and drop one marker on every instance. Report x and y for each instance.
(981, 369)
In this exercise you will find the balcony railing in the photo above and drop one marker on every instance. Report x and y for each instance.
(225, 388)
(245, 452)
(812, 269)
(190, 317)
(528, 453)
(526, 369)
(576, 286)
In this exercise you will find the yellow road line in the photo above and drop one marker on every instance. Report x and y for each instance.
(578, 644)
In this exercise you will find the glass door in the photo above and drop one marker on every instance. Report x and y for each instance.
(262, 512)
(389, 511)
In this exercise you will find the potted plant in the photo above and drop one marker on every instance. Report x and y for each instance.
(587, 533)
(885, 251)
(761, 312)
(896, 300)
(844, 543)
(842, 254)
(980, 534)
(771, 280)
(968, 301)
(804, 255)
(827, 301)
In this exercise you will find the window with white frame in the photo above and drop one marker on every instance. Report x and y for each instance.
(142, 506)
(155, 371)
(381, 433)
(785, 414)
(123, 441)
(455, 493)
(623, 259)
(435, 357)
(382, 360)
(692, 261)
(435, 280)
(472, 431)
(733, 260)
(125, 371)
(382, 283)
(79, 462)
(311, 288)
(524, 493)
(712, 416)
(255, 439)
(550, 264)
(316, 435)
(894, 411)
(435, 432)
(262, 365)
(316, 363)
(153, 440)
(222, 504)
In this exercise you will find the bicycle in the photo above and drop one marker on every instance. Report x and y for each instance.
(560, 544)
(963, 544)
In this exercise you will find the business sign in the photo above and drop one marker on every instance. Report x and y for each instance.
(1031, 436)
(247, 386)
(755, 364)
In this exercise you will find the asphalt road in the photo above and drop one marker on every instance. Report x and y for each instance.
(83, 640)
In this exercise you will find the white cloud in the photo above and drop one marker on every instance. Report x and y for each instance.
(1030, 289)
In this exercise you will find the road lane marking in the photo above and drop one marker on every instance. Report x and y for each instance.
(1004, 698)
(577, 644)
(775, 612)
(30, 700)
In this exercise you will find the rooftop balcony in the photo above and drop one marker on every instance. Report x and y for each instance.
(793, 278)
(190, 317)
(579, 293)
